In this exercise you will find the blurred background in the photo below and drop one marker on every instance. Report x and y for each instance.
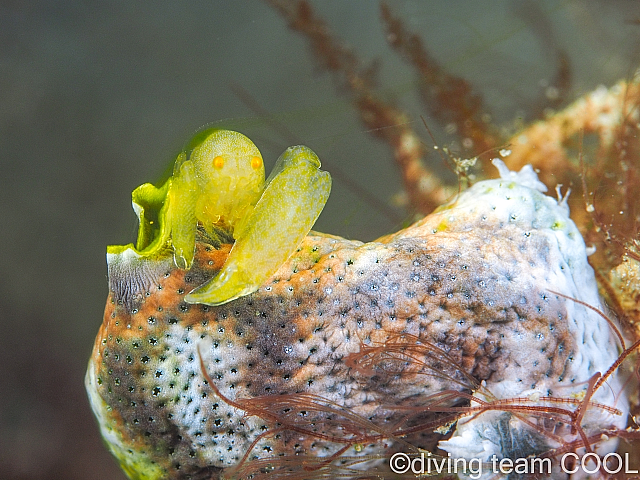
(98, 97)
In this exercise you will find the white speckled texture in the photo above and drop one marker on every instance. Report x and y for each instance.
(511, 200)
(475, 282)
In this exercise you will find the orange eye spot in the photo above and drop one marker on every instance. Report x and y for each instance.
(218, 162)
(256, 163)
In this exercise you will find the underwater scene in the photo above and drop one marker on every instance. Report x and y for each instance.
(359, 240)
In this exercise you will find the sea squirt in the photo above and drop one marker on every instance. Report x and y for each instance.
(351, 351)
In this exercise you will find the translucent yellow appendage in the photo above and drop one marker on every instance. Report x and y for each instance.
(149, 203)
(295, 194)
(182, 212)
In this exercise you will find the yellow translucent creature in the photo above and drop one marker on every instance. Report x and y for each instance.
(219, 184)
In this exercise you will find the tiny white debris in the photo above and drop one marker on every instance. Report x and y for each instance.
(552, 93)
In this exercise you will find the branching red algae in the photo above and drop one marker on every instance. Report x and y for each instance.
(447, 97)
(423, 186)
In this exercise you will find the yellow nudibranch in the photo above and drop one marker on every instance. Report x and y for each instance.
(218, 185)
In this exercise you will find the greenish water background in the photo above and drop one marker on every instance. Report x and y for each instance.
(96, 98)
